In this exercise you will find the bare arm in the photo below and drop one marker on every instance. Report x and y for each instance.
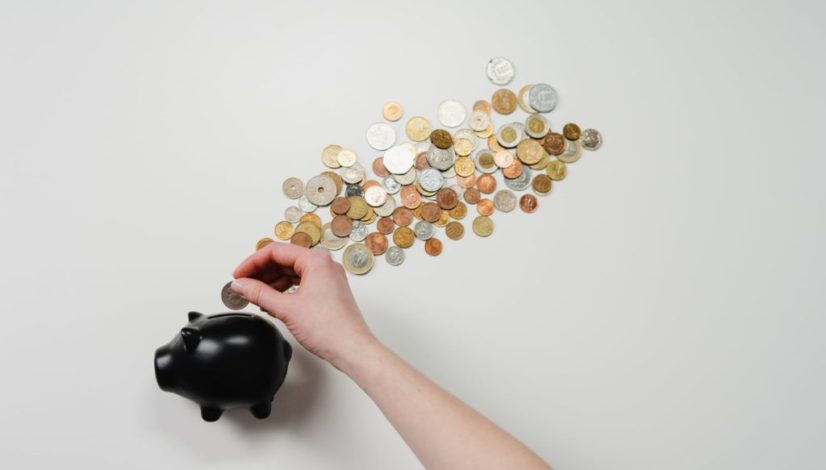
(442, 431)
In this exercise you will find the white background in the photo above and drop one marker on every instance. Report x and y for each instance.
(662, 309)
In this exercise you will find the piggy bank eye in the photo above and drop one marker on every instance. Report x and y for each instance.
(191, 338)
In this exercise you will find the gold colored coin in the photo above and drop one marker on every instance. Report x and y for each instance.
(370, 217)
(571, 131)
(487, 132)
(529, 151)
(417, 212)
(403, 237)
(541, 184)
(455, 230)
(463, 147)
(557, 170)
(358, 207)
(483, 226)
(483, 106)
(464, 166)
(459, 212)
(392, 111)
(329, 156)
(542, 163)
(418, 128)
(503, 101)
(522, 100)
(357, 258)
(444, 218)
(486, 160)
(263, 242)
(441, 139)
(537, 126)
(284, 230)
(311, 229)
(312, 218)
(493, 144)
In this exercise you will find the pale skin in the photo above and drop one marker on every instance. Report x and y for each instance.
(441, 430)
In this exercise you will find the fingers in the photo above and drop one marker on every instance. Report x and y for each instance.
(270, 300)
(291, 258)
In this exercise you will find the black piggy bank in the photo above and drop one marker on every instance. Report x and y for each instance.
(223, 361)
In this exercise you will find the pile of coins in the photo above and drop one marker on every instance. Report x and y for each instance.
(429, 181)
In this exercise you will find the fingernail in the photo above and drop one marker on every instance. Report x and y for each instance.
(238, 284)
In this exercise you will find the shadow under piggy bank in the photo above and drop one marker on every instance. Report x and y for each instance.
(223, 361)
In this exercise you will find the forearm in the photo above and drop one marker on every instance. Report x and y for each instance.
(441, 430)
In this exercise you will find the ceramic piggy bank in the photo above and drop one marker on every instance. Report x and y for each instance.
(223, 361)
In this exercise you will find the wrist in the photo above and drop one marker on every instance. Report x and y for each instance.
(352, 357)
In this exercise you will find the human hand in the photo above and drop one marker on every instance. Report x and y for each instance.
(322, 314)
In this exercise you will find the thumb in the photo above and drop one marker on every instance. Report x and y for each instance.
(270, 300)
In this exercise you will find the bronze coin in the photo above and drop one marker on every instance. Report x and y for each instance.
(369, 184)
(466, 181)
(441, 139)
(385, 225)
(454, 230)
(301, 239)
(379, 168)
(447, 198)
(486, 183)
(431, 212)
(504, 101)
(421, 161)
(528, 203)
(485, 207)
(458, 212)
(341, 226)
(483, 106)
(554, 143)
(541, 184)
(571, 131)
(402, 216)
(376, 242)
(493, 144)
(264, 242)
(403, 237)
(340, 205)
(513, 171)
(433, 246)
(410, 197)
(472, 195)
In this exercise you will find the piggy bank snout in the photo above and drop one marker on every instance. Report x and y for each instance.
(163, 369)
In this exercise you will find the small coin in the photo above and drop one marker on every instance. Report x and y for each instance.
(571, 131)
(441, 139)
(451, 113)
(528, 203)
(410, 197)
(440, 159)
(537, 126)
(387, 208)
(522, 99)
(359, 232)
(466, 181)
(340, 205)
(375, 195)
(329, 156)
(431, 211)
(446, 198)
(284, 230)
(357, 258)
(455, 230)
(391, 185)
(542, 98)
(399, 159)
(459, 212)
(418, 128)
(381, 136)
(433, 247)
(394, 256)
(385, 225)
(292, 214)
(503, 101)
(485, 207)
(404, 237)
(486, 184)
(504, 200)
(591, 139)
(423, 230)
(231, 299)
(376, 242)
(346, 157)
(554, 143)
(483, 226)
(293, 187)
(472, 195)
(500, 71)
(557, 170)
(262, 243)
(542, 184)
(353, 174)
(320, 190)
(301, 239)
(431, 180)
(392, 111)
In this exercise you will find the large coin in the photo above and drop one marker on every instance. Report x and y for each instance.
(483, 226)
(231, 299)
(451, 113)
(418, 128)
(381, 136)
(504, 101)
(399, 159)
(357, 258)
(542, 98)
(320, 190)
(500, 71)
(293, 187)
(394, 256)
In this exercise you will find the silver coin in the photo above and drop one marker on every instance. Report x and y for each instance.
(451, 113)
(381, 136)
(375, 196)
(407, 178)
(346, 157)
(352, 174)
(538, 134)
(394, 256)
(500, 71)
(292, 214)
(353, 190)
(306, 205)
(449, 173)
(504, 200)
(543, 98)
(423, 230)
(479, 166)
(293, 187)
(399, 159)
(521, 182)
(391, 185)
(329, 240)
(479, 121)
(440, 159)
(591, 139)
(431, 179)
(321, 190)
(386, 209)
(231, 299)
(572, 153)
(359, 232)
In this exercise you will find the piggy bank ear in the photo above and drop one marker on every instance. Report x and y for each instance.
(191, 338)
(194, 315)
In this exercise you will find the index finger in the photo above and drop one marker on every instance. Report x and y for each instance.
(278, 253)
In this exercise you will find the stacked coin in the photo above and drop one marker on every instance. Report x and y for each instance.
(428, 181)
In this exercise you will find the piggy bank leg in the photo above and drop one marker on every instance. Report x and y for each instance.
(261, 410)
(210, 414)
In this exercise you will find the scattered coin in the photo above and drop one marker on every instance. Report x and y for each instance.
(557, 170)
(262, 243)
(451, 113)
(357, 259)
(392, 111)
(455, 230)
(231, 299)
(483, 226)
(394, 256)
(293, 187)
(301, 239)
(542, 98)
(573, 151)
(591, 139)
(528, 203)
(441, 139)
(284, 230)
(320, 190)
(522, 99)
(433, 247)
(376, 242)
(504, 200)
(359, 231)
(292, 214)
(346, 157)
(503, 101)
(399, 159)
(403, 237)
(330, 240)
(381, 136)
(500, 71)
(418, 128)
(571, 131)
(542, 184)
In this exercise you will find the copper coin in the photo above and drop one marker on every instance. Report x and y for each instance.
(541, 184)
(385, 225)
(376, 242)
(528, 203)
(447, 198)
(486, 183)
(421, 161)
(485, 207)
(301, 239)
(472, 195)
(433, 246)
(341, 226)
(410, 197)
(513, 171)
(554, 143)
(571, 131)
(379, 168)
(441, 139)
(369, 184)
(466, 181)
(504, 101)
(402, 216)
(454, 230)
(340, 205)
(483, 106)
(431, 212)
(403, 237)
